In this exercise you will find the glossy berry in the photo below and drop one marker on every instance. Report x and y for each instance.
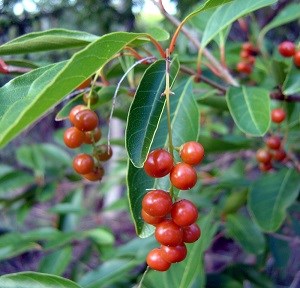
(73, 137)
(273, 142)
(279, 155)
(157, 203)
(183, 176)
(263, 156)
(250, 48)
(250, 60)
(103, 152)
(286, 48)
(159, 163)
(83, 163)
(191, 153)
(168, 233)
(93, 97)
(92, 136)
(156, 262)
(265, 166)
(173, 254)
(86, 120)
(278, 115)
(297, 59)
(191, 233)
(95, 175)
(74, 111)
(244, 67)
(184, 213)
(151, 219)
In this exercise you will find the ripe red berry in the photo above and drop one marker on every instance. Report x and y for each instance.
(279, 155)
(95, 175)
(244, 67)
(277, 115)
(168, 233)
(159, 163)
(265, 166)
(173, 254)
(191, 233)
(184, 213)
(286, 48)
(83, 163)
(183, 176)
(157, 203)
(73, 137)
(250, 48)
(263, 156)
(151, 219)
(191, 153)
(297, 59)
(103, 152)
(86, 120)
(92, 136)
(74, 111)
(273, 142)
(156, 262)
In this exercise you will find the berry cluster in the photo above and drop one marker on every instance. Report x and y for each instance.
(85, 130)
(247, 58)
(175, 222)
(274, 149)
(288, 49)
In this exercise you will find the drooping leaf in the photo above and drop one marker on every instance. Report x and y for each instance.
(27, 97)
(35, 280)
(250, 109)
(184, 113)
(53, 39)
(227, 14)
(246, 233)
(146, 110)
(271, 195)
(14, 249)
(291, 84)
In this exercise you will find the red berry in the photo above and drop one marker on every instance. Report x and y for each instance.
(265, 166)
(279, 155)
(173, 254)
(263, 156)
(191, 233)
(250, 48)
(273, 142)
(95, 175)
(191, 153)
(244, 67)
(297, 59)
(250, 60)
(83, 163)
(286, 48)
(86, 83)
(92, 136)
(103, 152)
(74, 111)
(156, 262)
(159, 163)
(86, 120)
(157, 203)
(183, 176)
(244, 54)
(277, 115)
(151, 219)
(184, 213)
(168, 233)
(73, 137)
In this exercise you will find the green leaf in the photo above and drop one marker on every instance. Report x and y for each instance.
(246, 233)
(271, 195)
(101, 236)
(227, 14)
(36, 92)
(47, 40)
(184, 113)
(158, 33)
(288, 14)
(15, 249)
(250, 109)
(146, 110)
(35, 280)
(291, 84)
(56, 262)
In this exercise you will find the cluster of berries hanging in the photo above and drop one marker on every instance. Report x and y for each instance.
(288, 49)
(85, 130)
(175, 222)
(247, 58)
(274, 149)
